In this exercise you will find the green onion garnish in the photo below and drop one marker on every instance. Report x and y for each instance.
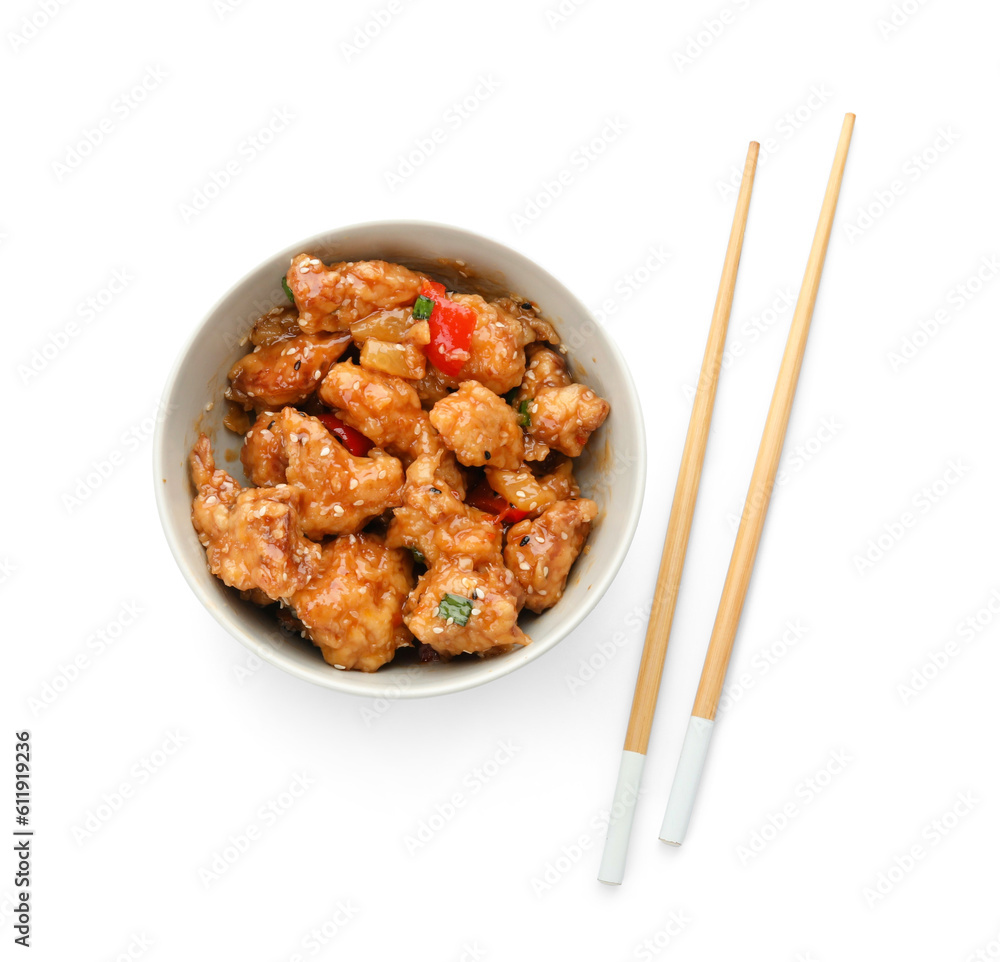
(456, 608)
(523, 413)
(288, 290)
(422, 308)
(418, 556)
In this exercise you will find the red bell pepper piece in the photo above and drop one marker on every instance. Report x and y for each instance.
(354, 441)
(482, 496)
(452, 326)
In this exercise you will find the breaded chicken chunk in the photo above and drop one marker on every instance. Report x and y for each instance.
(479, 427)
(496, 354)
(436, 522)
(339, 492)
(526, 492)
(352, 607)
(387, 411)
(285, 371)
(540, 552)
(565, 417)
(546, 368)
(251, 535)
(332, 298)
(263, 451)
(525, 312)
(487, 598)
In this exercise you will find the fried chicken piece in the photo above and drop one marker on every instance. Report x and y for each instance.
(540, 552)
(496, 354)
(524, 311)
(332, 298)
(251, 536)
(285, 371)
(530, 493)
(436, 522)
(479, 427)
(263, 451)
(387, 411)
(489, 594)
(565, 417)
(535, 450)
(339, 492)
(352, 607)
(545, 369)
(278, 324)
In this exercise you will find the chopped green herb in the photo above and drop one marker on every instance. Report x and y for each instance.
(456, 608)
(525, 540)
(287, 289)
(523, 413)
(422, 308)
(511, 394)
(418, 556)
(487, 455)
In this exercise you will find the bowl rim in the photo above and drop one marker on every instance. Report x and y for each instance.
(332, 680)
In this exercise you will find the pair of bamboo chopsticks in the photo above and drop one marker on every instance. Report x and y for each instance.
(698, 736)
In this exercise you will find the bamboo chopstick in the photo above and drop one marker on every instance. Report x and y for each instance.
(696, 741)
(668, 580)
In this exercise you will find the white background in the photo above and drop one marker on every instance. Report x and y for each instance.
(513, 873)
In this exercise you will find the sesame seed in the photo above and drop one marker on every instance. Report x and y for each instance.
(438, 630)
(539, 539)
(210, 405)
(303, 268)
(434, 613)
(533, 505)
(564, 536)
(545, 571)
(353, 484)
(338, 510)
(381, 475)
(477, 611)
(519, 494)
(450, 621)
(524, 566)
(324, 452)
(341, 667)
(480, 593)
(359, 502)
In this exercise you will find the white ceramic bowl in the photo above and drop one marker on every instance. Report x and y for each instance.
(612, 471)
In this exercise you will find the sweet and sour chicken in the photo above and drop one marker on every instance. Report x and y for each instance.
(410, 458)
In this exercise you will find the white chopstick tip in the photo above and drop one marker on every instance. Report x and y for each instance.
(686, 780)
(612, 869)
